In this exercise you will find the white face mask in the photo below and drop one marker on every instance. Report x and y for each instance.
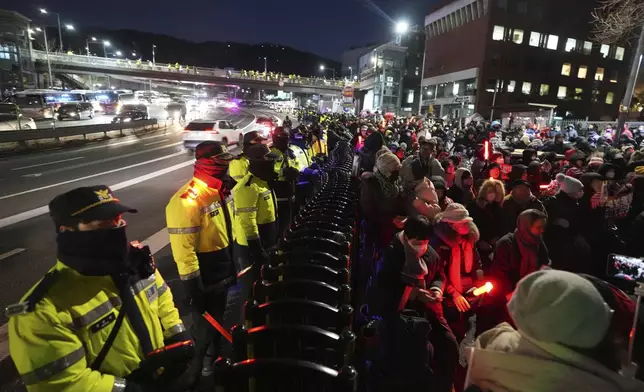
(610, 175)
(420, 247)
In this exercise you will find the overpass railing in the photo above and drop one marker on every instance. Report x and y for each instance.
(102, 62)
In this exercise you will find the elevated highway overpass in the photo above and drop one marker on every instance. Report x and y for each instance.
(86, 65)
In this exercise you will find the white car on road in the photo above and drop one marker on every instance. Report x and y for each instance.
(12, 120)
(198, 131)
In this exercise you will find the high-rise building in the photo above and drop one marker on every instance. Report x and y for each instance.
(498, 57)
(15, 64)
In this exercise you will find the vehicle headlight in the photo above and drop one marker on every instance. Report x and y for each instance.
(72, 113)
(127, 119)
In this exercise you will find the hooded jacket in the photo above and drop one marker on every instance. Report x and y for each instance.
(510, 210)
(507, 361)
(457, 192)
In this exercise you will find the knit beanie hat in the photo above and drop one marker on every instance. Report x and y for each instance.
(595, 162)
(568, 184)
(554, 306)
(569, 154)
(455, 213)
(388, 163)
(439, 183)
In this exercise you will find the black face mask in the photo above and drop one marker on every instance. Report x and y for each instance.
(94, 253)
(280, 143)
(264, 170)
(394, 176)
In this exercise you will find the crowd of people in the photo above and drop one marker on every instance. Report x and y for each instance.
(449, 208)
(482, 261)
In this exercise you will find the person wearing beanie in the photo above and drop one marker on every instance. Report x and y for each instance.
(576, 168)
(455, 237)
(440, 186)
(519, 200)
(366, 157)
(411, 275)
(563, 342)
(486, 213)
(462, 192)
(595, 163)
(382, 199)
(568, 248)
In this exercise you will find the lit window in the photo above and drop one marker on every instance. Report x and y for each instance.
(619, 53)
(498, 33)
(571, 43)
(456, 88)
(578, 93)
(583, 71)
(609, 98)
(565, 69)
(613, 76)
(562, 92)
(588, 47)
(511, 85)
(599, 74)
(534, 39)
(517, 36)
(527, 86)
(604, 50)
(544, 90)
(553, 41)
(410, 96)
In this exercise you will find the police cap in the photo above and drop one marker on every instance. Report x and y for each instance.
(86, 204)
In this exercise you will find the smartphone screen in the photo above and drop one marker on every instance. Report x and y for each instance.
(625, 267)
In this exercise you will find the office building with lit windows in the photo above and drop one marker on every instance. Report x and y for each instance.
(496, 57)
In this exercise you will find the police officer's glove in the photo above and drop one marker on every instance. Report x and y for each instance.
(291, 173)
(257, 252)
(195, 292)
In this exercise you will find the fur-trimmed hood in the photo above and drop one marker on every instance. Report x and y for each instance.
(444, 231)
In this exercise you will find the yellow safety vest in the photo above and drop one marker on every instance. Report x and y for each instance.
(198, 231)
(320, 147)
(54, 345)
(238, 167)
(299, 161)
(255, 211)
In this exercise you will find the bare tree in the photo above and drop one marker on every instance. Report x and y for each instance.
(616, 21)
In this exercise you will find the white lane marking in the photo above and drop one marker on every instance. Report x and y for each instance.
(10, 220)
(32, 175)
(6, 255)
(47, 163)
(158, 240)
(91, 176)
(112, 158)
(157, 142)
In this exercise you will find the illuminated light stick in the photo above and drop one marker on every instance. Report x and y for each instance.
(218, 327)
(485, 289)
(487, 150)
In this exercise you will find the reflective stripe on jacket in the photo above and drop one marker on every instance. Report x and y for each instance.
(54, 345)
(197, 225)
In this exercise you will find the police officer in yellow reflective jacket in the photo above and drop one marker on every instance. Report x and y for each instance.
(239, 166)
(100, 311)
(199, 219)
(319, 144)
(290, 161)
(256, 207)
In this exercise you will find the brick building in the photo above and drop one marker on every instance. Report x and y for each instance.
(514, 56)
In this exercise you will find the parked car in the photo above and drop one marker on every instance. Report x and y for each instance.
(11, 119)
(75, 111)
(216, 130)
(131, 112)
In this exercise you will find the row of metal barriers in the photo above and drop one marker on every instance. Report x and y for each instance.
(297, 333)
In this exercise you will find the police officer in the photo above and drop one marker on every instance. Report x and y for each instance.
(239, 166)
(199, 219)
(256, 207)
(290, 161)
(69, 332)
(319, 144)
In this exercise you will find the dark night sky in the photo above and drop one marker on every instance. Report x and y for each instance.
(325, 27)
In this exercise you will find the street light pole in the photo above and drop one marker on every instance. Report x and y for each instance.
(153, 55)
(51, 78)
(265, 66)
(351, 71)
(60, 33)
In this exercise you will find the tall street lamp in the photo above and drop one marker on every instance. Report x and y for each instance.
(402, 27)
(323, 68)
(265, 66)
(44, 31)
(351, 70)
(106, 44)
(60, 30)
(153, 55)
